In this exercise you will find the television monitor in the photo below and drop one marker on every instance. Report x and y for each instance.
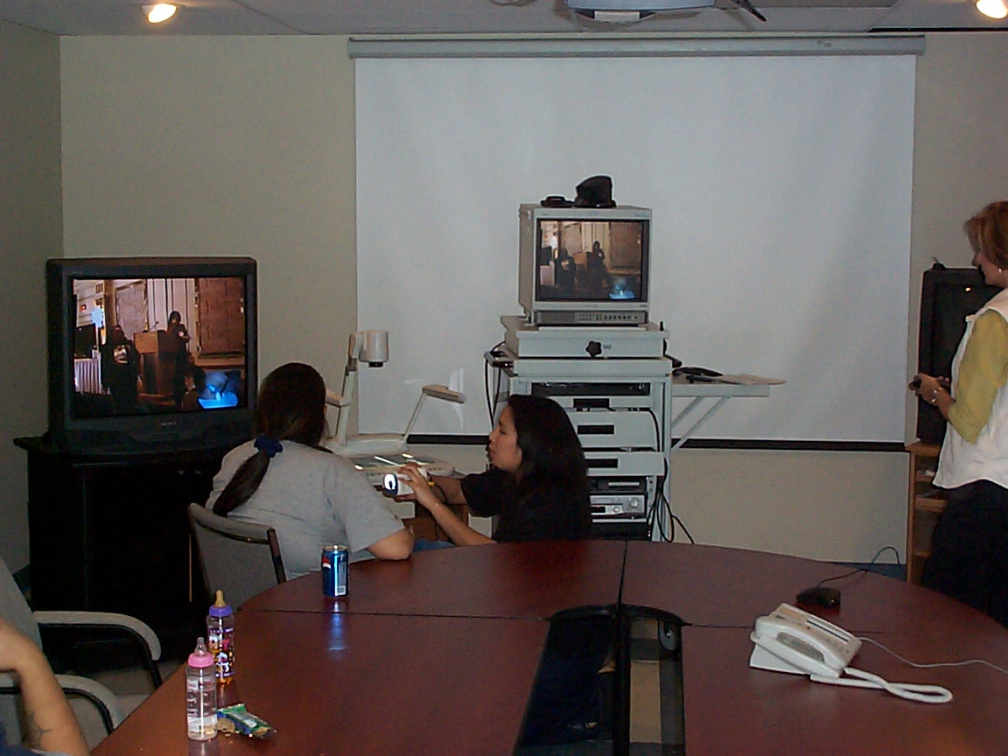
(584, 266)
(948, 295)
(150, 354)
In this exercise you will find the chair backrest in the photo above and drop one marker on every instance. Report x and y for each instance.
(240, 558)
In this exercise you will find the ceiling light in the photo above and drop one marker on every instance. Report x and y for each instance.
(160, 12)
(992, 8)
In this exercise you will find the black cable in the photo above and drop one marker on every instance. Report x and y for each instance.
(688, 535)
(864, 569)
(491, 402)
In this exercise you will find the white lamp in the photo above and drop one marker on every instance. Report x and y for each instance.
(992, 8)
(159, 12)
(372, 347)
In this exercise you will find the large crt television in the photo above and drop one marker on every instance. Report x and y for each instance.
(948, 295)
(584, 266)
(149, 354)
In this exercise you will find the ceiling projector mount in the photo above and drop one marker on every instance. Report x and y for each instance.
(627, 11)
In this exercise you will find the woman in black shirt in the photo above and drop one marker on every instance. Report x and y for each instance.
(537, 485)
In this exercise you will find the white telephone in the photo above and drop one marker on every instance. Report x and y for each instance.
(792, 640)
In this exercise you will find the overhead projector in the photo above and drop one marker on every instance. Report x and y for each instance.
(604, 9)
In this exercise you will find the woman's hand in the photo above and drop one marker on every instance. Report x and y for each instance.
(929, 388)
(422, 491)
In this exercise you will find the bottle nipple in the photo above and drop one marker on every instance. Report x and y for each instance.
(220, 608)
(201, 657)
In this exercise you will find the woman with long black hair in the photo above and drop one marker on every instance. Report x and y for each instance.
(311, 497)
(537, 484)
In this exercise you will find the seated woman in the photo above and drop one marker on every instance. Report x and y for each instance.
(537, 484)
(310, 496)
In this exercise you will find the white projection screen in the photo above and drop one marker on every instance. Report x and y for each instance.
(780, 188)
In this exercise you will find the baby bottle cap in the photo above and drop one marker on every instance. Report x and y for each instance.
(201, 657)
(220, 607)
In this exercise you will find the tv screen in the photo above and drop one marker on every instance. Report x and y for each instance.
(591, 260)
(151, 353)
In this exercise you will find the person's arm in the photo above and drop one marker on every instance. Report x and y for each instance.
(982, 371)
(450, 488)
(51, 725)
(362, 512)
(399, 545)
(459, 533)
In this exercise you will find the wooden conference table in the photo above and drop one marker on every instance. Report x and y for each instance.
(438, 655)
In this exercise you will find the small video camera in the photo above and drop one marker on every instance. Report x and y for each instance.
(394, 485)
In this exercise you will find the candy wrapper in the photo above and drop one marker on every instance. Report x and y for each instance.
(236, 719)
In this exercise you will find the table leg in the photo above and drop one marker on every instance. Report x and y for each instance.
(621, 685)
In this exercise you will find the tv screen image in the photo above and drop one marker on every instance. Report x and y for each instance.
(581, 266)
(593, 261)
(151, 351)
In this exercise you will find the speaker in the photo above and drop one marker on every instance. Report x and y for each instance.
(948, 295)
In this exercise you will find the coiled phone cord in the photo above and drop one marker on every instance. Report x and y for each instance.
(932, 694)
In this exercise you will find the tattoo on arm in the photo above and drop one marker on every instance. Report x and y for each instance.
(34, 731)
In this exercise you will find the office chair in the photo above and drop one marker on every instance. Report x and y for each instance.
(14, 608)
(240, 558)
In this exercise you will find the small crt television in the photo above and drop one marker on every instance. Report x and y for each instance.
(584, 266)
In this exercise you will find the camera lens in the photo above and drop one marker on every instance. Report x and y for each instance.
(390, 483)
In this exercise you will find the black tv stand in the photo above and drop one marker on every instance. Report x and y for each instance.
(111, 533)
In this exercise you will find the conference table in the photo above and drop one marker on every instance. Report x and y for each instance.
(438, 655)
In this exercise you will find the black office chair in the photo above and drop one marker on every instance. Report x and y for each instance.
(240, 558)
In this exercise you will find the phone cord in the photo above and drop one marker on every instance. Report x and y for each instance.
(932, 694)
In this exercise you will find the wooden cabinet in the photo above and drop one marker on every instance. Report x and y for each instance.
(924, 504)
(111, 533)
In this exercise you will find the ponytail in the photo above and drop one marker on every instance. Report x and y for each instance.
(247, 477)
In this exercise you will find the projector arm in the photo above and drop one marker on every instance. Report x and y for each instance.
(437, 391)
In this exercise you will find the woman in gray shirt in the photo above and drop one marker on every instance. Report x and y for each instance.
(311, 497)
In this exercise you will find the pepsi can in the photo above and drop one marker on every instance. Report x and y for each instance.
(335, 570)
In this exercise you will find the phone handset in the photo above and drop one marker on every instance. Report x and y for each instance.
(792, 640)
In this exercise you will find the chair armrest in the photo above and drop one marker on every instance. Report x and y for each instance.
(109, 620)
(103, 699)
(139, 631)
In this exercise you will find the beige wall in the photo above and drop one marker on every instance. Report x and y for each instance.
(222, 146)
(30, 232)
(245, 146)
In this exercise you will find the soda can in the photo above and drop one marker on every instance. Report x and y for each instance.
(335, 570)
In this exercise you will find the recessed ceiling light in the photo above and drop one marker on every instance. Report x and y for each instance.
(160, 12)
(992, 8)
